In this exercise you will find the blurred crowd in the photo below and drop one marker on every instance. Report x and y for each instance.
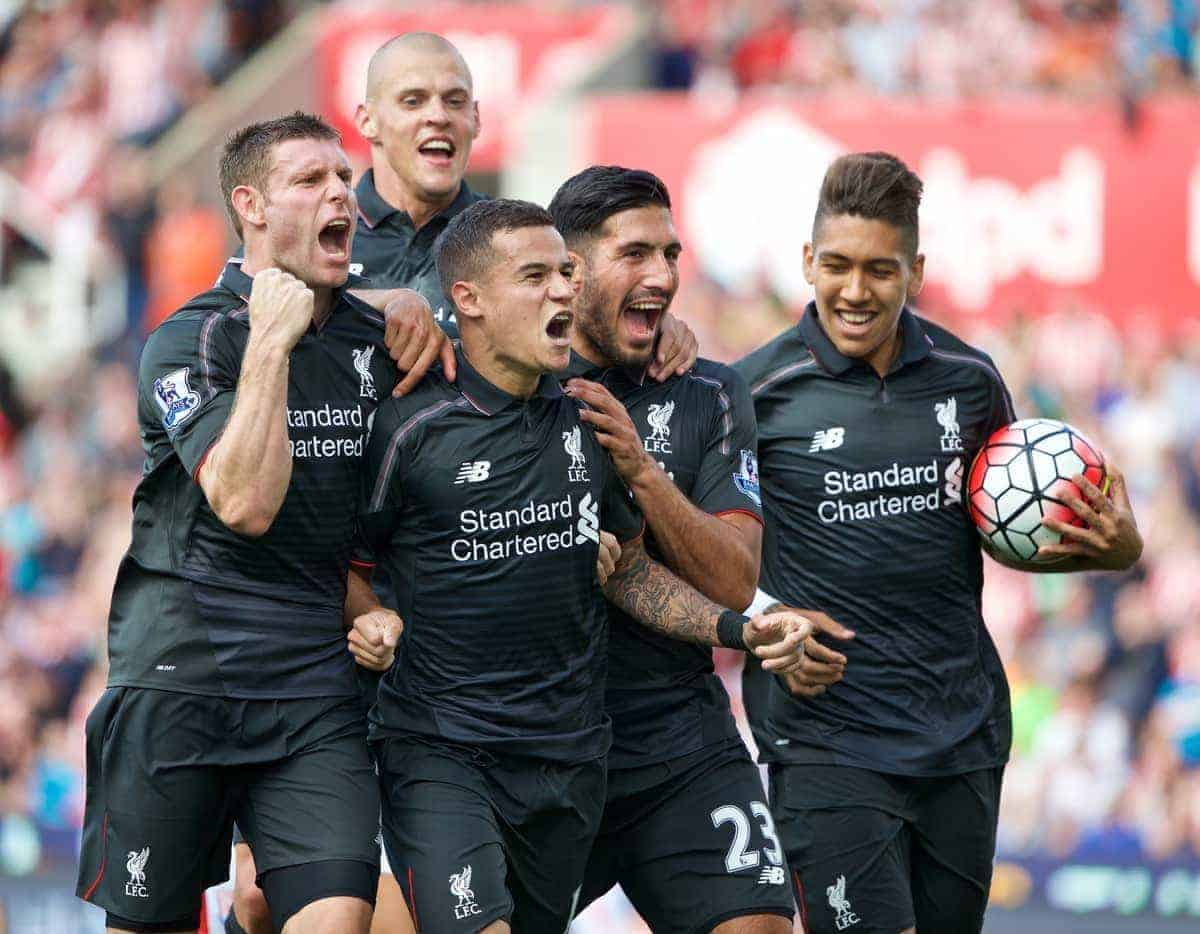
(942, 49)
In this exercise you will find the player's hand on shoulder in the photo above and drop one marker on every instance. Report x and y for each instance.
(1110, 540)
(607, 557)
(614, 428)
(821, 666)
(677, 349)
(372, 639)
(280, 308)
(414, 340)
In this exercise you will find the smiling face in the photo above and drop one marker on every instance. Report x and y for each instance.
(517, 312)
(630, 277)
(303, 219)
(420, 118)
(862, 273)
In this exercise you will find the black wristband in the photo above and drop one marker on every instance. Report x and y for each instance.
(729, 630)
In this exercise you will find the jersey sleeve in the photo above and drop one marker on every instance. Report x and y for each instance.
(381, 495)
(727, 480)
(187, 381)
(619, 514)
(1000, 407)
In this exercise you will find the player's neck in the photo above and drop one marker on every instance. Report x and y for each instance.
(883, 357)
(581, 345)
(400, 196)
(518, 381)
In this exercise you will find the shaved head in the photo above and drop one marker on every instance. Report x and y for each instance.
(410, 44)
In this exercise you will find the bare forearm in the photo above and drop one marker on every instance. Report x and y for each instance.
(661, 601)
(701, 548)
(246, 475)
(378, 298)
(360, 598)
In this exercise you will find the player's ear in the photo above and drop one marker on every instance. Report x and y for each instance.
(365, 122)
(809, 259)
(478, 124)
(577, 270)
(917, 279)
(250, 205)
(466, 299)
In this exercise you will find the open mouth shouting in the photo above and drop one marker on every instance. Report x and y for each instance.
(335, 239)
(641, 317)
(438, 150)
(558, 329)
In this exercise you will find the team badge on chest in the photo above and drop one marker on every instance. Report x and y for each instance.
(362, 366)
(947, 416)
(658, 417)
(573, 443)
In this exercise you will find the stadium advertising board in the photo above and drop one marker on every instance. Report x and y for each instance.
(1152, 892)
(518, 56)
(1029, 203)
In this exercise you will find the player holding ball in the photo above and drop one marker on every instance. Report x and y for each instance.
(886, 750)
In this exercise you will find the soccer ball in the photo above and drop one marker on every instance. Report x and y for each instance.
(1021, 475)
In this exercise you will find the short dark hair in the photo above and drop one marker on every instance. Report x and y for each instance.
(875, 186)
(585, 201)
(247, 157)
(464, 248)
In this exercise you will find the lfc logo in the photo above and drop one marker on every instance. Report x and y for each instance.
(460, 888)
(659, 419)
(135, 865)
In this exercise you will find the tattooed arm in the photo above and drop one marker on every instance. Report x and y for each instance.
(658, 599)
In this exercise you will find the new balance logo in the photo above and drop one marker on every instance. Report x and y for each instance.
(827, 439)
(772, 875)
(473, 472)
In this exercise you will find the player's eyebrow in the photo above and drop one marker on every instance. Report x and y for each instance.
(836, 257)
(527, 268)
(626, 245)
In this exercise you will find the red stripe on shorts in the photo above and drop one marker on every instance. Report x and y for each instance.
(91, 889)
(800, 900)
(412, 894)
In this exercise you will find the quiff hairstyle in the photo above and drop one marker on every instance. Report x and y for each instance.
(464, 250)
(584, 202)
(875, 186)
(248, 155)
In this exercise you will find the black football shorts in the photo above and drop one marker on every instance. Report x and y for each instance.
(691, 842)
(167, 774)
(475, 838)
(880, 853)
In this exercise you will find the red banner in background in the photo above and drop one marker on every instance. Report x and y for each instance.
(517, 56)
(1030, 203)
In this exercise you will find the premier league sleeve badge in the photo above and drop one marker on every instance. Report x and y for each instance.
(176, 398)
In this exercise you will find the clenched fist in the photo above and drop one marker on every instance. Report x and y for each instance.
(372, 640)
(281, 308)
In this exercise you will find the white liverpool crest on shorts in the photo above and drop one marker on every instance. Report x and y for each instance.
(460, 888)
(573, 442)
(135, 865)
(362, 364)
(839, 903)
(947, 416)
(658, 417)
